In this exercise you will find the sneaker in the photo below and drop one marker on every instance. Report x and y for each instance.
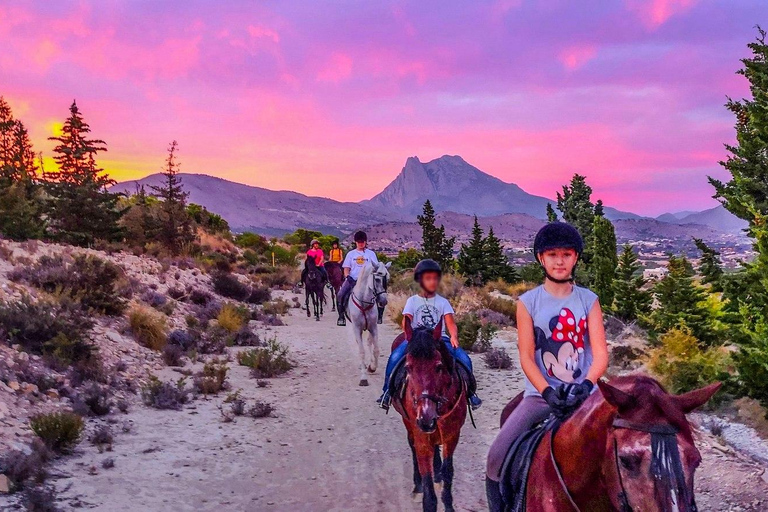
(384, 400)
(341, 322)
(475, 402)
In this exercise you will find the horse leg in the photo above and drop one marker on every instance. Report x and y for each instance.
(321, 298)
(373, 346)
(333, 299)
(359, 339)
(447, 473)
(316, 300)
(306, 299)
(425, 457)
(417, 485)
(437, 464)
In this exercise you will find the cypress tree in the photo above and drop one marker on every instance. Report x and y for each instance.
(435, 244)
(497, 264)
(472, 262)
(176, 225)
(604, 259)
(82, 210)
(630, 301)
(551, 213)
(579, 211)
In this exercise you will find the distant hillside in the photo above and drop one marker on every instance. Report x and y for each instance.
(453, 185)
(269, 212)
(718, 218)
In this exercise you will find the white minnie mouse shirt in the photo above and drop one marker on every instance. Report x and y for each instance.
(427, 312)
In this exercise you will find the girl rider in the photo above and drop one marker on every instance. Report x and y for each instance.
(353, 264)
(425, 310)
(561, 341)
(317, 253)
(336, 255)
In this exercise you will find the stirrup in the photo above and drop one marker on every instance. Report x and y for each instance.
(341, 322)
(475, 402)
(385, 400)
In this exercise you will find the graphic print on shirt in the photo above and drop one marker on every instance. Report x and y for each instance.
(561, 352)
(426, 315)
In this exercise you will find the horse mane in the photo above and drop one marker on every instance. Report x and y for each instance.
(422, 345)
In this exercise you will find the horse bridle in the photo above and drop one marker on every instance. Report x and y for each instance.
(663, 432)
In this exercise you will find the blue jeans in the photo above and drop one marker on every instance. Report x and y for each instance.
(399, 353)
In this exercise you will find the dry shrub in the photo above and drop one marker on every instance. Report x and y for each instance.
(514, 290)
(147, 327)
(178, 293)
(278, 306)
(229, 286)
(200, 297)
(261, 410)
(25, 468)
(212, 378)
(39, 498)
(60, 431)
(94, 400)
(452, 287)
(269, 361)
(281, 277)
(103, 438)
(215, 242)
(507, 307)
(232, 318)
(498, 359)
(173, 355)
(395, 305)
(260, 293)
(164, 395)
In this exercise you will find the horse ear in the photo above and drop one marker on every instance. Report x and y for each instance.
(375, 265)
(388, 264)
(408, 328)
(616, 397)
(696, 398)
(437, 332)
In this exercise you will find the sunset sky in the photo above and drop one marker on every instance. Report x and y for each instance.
(330, 98)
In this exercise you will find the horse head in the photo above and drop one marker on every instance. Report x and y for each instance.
(380, 277)
(650, 454)
(429, 367)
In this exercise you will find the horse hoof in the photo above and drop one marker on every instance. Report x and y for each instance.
(417, 495)
(371, 370)
(363, 382)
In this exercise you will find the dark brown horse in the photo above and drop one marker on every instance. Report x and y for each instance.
(628, 448)
(314, 288)
(433, 407)
(335, 278)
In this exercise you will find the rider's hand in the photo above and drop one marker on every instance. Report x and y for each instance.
(554, 399)
(454, 341)
(582, 390)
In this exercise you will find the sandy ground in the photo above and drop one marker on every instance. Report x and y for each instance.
(327, 448)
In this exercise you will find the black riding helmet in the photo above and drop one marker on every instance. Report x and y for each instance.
(426, 266)
(557, 235)
(360, 236)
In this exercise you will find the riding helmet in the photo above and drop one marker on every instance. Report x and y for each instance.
(557, 235)
(426, 266)
(314, 241)
(360, 236)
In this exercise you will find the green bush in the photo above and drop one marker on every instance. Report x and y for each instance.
(90, 281)
(752, 361)
(60, 431)
(682, 365)
(148, 328)
(269, 361)
(469, 329)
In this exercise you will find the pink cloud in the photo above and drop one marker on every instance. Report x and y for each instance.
(655, 13)
(575, 57)
(259, 32)
(337, 69)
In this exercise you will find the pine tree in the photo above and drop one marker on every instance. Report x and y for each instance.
(435, 244)
(551, 213)
(497, 264)
(472, 262)
(82, 210)
(709, 267)
(176, 225)
(578, 210)
(681, 301)
(604, 259)
(630, 301)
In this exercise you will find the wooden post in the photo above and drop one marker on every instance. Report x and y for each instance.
(273, 258)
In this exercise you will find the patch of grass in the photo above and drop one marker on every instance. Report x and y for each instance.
(212, 378)
(498, 359)
(268, 361)
(232, 318)
(164, 395)
(60, 431)
(147, 327)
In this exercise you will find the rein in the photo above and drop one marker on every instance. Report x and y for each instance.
(366, 305)
(665, 459)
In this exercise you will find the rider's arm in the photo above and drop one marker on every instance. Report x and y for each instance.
(453, 330)
(346, 271)
(526, 345)
(408, 316)
(597, 342)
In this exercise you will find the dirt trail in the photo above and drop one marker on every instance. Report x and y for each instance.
(328, 448)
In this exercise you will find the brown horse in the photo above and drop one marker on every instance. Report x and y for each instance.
(628, 448)
(433, 406)
(336, 278)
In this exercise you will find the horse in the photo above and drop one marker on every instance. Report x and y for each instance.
(628, 448)
(369, 291)
(335, 278)
(433, 407)
(314, 286)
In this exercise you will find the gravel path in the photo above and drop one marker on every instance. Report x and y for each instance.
(328, 448)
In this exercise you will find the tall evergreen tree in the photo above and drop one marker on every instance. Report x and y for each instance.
(472, 262)
(630, 301)
(435, 244)
(497, 264)
(604, 260)
(176, 225)
(82, 210)
(681, 301)
(710, 267)
(551, 213)
(578, 210)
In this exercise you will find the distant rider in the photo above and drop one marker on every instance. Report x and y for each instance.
(426, 309)
(317, 253)
(336, 255)
(354, 262)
